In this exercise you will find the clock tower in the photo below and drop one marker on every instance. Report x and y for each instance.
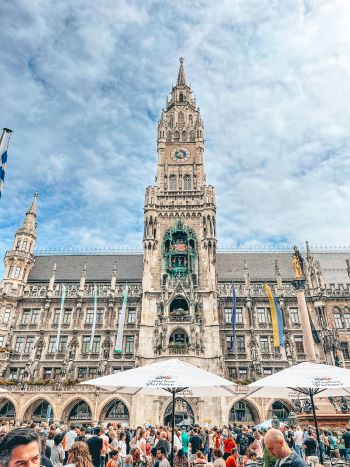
(179, 308)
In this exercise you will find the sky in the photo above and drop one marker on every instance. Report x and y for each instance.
(83, 84)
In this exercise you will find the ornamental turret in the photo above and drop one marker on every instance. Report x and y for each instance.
(20, 260)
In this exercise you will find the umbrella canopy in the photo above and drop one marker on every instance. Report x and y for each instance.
(166, 376)
(321, 380)
(170, 376)
(3, 390)
(304, 380)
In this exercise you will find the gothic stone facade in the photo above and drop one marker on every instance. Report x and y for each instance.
(180, 298)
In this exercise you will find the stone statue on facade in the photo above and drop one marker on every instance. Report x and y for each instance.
(101, 370)
(39, 346)
(107, 344)
(298, 264)
(73, 345)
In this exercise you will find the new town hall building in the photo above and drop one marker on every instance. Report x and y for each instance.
(179, 304)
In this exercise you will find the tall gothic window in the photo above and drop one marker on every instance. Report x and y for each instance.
(187, 182)
(184, 137)
(337, 319)
(176, 137)
(172, 183)
(168, 137)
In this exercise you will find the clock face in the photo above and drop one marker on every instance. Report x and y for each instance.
(180, 154)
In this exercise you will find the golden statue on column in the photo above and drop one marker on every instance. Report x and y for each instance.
(298, 264)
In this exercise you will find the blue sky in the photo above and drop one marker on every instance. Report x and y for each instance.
(83, 84)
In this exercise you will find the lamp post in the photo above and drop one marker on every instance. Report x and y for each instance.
(292, 419)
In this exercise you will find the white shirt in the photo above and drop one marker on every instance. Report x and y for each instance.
(70, 438)
(298, 436)
(122, 446)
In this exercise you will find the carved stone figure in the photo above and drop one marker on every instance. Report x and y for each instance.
(39, 346)
(298, 264)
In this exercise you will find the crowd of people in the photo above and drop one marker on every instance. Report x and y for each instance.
(150, 446)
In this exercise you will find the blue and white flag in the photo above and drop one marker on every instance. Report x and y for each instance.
(4, 143)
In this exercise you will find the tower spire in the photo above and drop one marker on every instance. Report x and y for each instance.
(29, 224)
(181, 78)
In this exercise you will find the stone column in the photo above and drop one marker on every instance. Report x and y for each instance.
(299, 285)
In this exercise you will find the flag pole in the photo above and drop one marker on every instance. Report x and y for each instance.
(121, 320)
(63, 297)
(94, 319)
(233, 317)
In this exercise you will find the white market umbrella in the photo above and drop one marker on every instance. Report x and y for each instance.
(304, 380)
(169, 376)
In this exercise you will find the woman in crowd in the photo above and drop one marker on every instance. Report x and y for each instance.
(200, 458)
(229, 444)
(180, 460)
(79, 455)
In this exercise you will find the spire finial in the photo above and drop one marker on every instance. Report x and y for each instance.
(32, 209)
(181, 79)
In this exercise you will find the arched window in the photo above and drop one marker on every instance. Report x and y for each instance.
(176, 137)
(116, 410)
(241, 412)
(280, 410)
(346, 316)
(190, 119)
(184, 415)
(43, 412)
(80, 411)
(337, 318)
(187, 182)
(184, 137)
(178, 304)
(24, 245)
(172, 183)
(168, 136)
(181, 97)
(178, 338)
(7, 409)
(181, 118)
(192, 137)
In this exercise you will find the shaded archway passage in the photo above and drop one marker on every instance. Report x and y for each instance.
(280, 409)
(243, 411)
(115, 411)
(39, 411)
(78, 411)
(7, 410)
(184, 415)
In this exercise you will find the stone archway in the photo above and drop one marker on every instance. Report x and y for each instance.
(243, 411)
(115, 411)
(39, 411)
(7, 410)
(184, 415)
(280, 409)
(77, 411)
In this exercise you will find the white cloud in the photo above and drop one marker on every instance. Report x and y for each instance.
(84, 83)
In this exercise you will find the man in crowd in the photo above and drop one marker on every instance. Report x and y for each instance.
(310, 446)
(195, 443)
(298, 441)
(161, 456)
(244, 439)
(20, 447)
(346, 439)
(277, 446)
(68, 440)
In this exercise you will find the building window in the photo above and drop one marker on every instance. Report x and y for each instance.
(294, 315)
(95, 344)
(35, 316)
(24, 245)
(17, 272)
(90, 316)
(228, 315)
(56, 316)
(129, 344)
(345, 349)
(93, 372)
(2, 339)
(187, 182)
(67, 316)
(229, 340)
(25, 317)
(131, 315)
(240, 344)
(10, 272)
(62, 344)
(337, 320)
(52, 344)
(264, 345)
(82, 372)
(13, 373)
(299, 344)
(6, 315)
(29, 344)
(242, 373)
(239, 315)
(116, 369)
(261, 315)
(19, 344)
(47, 373)
(267, 371)
(346, 317)
(172, 183)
